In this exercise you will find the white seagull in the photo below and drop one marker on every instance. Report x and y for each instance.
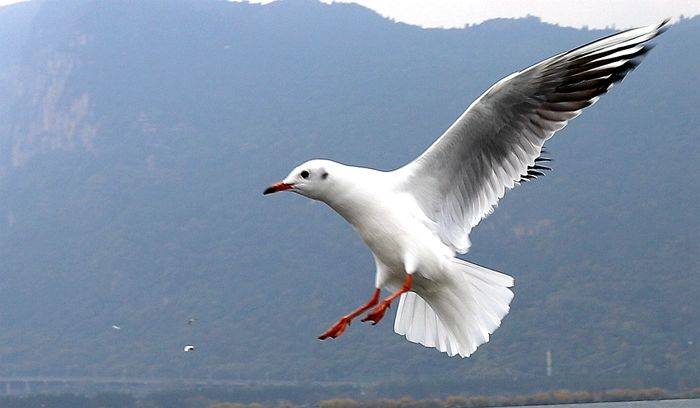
(416, 218)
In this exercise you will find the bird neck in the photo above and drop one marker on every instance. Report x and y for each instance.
(354, 192)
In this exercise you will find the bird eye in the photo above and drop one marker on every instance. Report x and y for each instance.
(304, 174)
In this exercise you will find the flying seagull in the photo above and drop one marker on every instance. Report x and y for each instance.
(416, 218)
(115, 327)
(188, 348)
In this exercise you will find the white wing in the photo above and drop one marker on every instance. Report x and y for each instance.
(495, 144)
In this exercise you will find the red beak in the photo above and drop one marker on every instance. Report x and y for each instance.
(277, 187)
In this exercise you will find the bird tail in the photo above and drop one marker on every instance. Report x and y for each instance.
(461, 314)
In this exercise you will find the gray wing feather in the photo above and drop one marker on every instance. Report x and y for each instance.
(460, 178)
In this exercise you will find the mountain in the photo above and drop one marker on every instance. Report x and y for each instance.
(136, 139)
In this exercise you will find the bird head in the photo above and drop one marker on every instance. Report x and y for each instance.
(313, 179)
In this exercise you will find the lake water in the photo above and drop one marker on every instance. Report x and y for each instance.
(693, 403)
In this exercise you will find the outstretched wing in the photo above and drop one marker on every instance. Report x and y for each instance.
(497, 141)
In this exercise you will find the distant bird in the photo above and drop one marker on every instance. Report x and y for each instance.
(415, 218)
(189, 348)
(191, 320)
(115, 327)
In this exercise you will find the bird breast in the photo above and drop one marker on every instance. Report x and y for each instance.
(394, 227)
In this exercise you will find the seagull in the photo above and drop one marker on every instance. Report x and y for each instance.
(189, 348)
(115, 327)
(191, 320)
(417, 218)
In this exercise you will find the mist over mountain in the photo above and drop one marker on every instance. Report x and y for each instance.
(136, 139)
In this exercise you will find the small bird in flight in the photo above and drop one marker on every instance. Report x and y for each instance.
(191, 320)
(416, 218)
(115, 327)
(189, 348)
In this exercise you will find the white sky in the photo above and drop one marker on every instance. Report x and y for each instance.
(591, 13)
(457, 13)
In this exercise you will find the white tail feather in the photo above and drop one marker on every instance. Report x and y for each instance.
(461, 314)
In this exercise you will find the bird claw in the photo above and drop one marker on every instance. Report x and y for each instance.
(336, 330)
(377, 313)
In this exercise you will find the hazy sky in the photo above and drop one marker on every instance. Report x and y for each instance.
(591, 13)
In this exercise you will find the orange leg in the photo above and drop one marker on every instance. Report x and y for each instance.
(337, 329)
(378, 312)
